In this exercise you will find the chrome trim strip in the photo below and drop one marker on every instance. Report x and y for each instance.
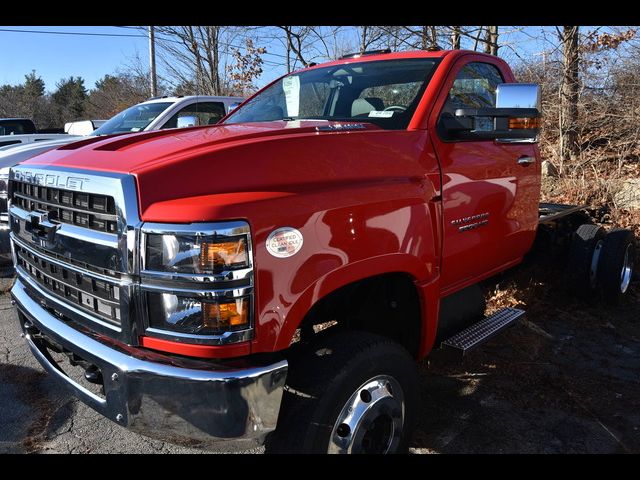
(165, 401)
(122, 281)
(73, 231)
(200, 229)
(217, 278)
(63, 307)
(86, 235)
(203, 293)
(225, 338)
(103, 216)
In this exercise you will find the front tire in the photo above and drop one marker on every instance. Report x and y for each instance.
(353, 392)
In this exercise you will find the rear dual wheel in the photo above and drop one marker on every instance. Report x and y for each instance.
(601, 263)
(584, 255)
(616, 264)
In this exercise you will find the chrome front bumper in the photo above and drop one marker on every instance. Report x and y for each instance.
(176, 404)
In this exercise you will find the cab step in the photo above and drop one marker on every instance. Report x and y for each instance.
(478, 333)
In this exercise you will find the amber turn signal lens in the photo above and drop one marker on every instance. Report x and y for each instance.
(216, 256)
(225, 316)
(524, 123)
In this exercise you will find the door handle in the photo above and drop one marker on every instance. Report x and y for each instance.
(526, 160)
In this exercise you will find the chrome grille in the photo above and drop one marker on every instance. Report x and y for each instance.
(87, 210)
(74, 237)
(98, 297)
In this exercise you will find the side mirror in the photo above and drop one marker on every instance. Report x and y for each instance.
(515, 118)
(187, 121)
(518, 95)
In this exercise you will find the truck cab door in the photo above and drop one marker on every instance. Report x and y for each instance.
(490, 188)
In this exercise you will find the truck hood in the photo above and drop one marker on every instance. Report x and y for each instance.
(140, 152)
(182, 175)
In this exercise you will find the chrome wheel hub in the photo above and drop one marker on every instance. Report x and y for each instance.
(371, 420)
(627, 270)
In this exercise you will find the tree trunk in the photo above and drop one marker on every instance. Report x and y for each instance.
(491, 40)
(569, 96)
(363, 40)
(455, 38)
(424, 38)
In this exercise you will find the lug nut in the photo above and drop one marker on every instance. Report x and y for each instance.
(114, 377)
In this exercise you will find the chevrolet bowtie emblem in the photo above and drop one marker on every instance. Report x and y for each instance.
(40, 227)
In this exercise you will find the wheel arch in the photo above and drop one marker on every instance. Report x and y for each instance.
(399, 271)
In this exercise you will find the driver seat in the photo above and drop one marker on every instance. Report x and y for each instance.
(362, 106)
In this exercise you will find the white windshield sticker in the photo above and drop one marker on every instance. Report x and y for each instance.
(291, 88)
(381, 114)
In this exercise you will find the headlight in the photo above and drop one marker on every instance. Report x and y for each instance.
(192, 253)
(198, 282)
(197, 317)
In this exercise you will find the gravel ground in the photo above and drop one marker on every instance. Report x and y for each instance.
(564, 381)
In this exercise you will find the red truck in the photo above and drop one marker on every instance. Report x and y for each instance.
(274, 278)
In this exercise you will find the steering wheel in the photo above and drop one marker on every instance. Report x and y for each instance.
(396, 108)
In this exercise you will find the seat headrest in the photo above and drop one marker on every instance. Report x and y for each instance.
(362, 106)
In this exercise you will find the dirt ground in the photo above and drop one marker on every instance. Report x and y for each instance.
(565, 380)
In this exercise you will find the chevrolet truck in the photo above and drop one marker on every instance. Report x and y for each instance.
(274, 278)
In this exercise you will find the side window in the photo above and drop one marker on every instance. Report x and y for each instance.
(208, 113)
(474, 87)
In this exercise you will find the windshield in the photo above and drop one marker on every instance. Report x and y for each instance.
(134, 119)
(384, 92)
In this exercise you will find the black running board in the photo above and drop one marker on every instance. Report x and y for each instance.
(478, 333)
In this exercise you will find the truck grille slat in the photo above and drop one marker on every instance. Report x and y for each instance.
(88, 210)
(99, 297)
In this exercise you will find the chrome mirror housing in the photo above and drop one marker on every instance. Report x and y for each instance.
(187, 121)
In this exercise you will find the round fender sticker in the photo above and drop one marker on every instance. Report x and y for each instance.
(284, 242)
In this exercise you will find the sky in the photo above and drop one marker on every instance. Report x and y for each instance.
(55, 56)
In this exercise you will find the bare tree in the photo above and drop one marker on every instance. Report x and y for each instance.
(569, 94)
(195, 54)
(296, 42)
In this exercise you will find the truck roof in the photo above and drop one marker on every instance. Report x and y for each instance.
(187, 97)
(397, 56)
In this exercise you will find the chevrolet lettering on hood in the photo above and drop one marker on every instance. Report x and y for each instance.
(50, 180)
